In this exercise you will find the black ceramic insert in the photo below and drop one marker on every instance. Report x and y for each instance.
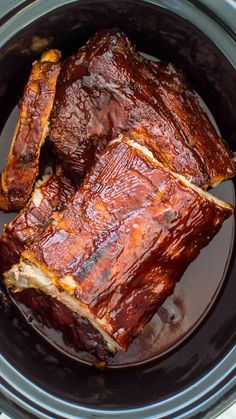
(197, 379)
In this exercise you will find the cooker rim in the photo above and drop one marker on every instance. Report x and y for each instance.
(219, 384)
(216, 390)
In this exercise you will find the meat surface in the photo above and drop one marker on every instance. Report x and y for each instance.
(115, 252)
(76, 331)
(49, 195)
(22, 166)
(107, 88)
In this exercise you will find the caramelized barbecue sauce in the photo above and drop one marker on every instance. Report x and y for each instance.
(180, 314)
(31, 129)
(54, 192)
(106, 88)
(48, 313)
(124, 252)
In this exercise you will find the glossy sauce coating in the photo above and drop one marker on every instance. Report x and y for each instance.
(76, 331)
(22, 166)
(107, 88)
(48, 196)
(125, 238)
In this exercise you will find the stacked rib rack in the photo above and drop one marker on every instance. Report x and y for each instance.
(97, 261)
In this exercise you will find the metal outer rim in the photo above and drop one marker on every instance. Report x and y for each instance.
(216, 390)
(205, 393)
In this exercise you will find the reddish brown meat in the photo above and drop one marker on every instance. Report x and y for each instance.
(115, 252)
(48, 196)
(76, 331)
(107, 88)
(22, 166)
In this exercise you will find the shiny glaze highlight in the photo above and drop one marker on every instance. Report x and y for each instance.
(125, 238)
(54, 192)
(31, 130)
(107, 88)
(75, 330)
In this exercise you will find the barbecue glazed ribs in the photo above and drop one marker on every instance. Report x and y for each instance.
(115, 252)
(107, 88)
(22, 166)
(49, 195)
(77, 332)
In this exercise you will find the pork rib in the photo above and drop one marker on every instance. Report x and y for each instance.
(77, 331)
(107, 88)
(22, 166)
(49, 195)
(114, 254)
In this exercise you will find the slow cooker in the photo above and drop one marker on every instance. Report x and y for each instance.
(198, 377)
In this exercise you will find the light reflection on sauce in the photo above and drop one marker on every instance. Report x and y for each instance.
(183, 311)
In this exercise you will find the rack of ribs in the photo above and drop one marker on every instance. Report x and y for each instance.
(49, 195)
(18, 178)
(116, 250)
(108, 88)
